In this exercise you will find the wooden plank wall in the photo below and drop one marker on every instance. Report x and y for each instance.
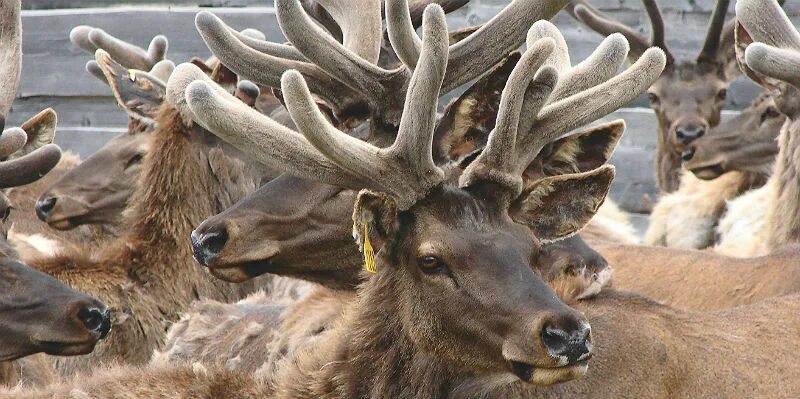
(53, 71)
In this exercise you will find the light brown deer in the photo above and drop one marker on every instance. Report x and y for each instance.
(688, 97)
(429, 235)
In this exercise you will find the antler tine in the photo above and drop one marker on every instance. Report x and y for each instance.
(496, 162)
(266, 47)
(162, 70)
(600, 66)
(559, 58)
(406, 169)
(657, 35)
(11, 141)
(10, 55)
(195, 95)
(416, 8)
(766, 22)
(402, 35)
(94, 69)
(90, 39)
(354, 62)
(79, 36)
(606, 26)
(30, 167)
(596, 102)
(263, 68)
(714, 34)
(495, 39)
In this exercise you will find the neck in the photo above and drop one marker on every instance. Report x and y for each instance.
(368, 355)
(668, 164)
(784, 210)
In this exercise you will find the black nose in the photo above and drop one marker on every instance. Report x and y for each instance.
(44, 206)
(687, 134)
(206, 246)
(688, 154)
(96, 320)
(574, 345)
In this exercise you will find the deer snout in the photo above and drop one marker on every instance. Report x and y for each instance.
(685, 134)
(569, 345)
(96, 320)
(688, 154)
(208, 244)
(44, 206)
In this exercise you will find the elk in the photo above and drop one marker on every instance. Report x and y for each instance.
(426, 231)
(746, 147)
(38, 314)
(146, 274)
(688, 97)
(643, 349)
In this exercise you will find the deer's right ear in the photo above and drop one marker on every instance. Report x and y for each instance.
(374, 218)
(139, 93)
(468, 120)
(559, 206)
(41, 130)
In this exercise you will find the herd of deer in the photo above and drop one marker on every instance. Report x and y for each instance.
(479, 268)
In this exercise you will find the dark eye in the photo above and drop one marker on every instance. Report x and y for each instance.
(653, 98)
(722, 94)
(769, 113)
(136, 159)
(430, 264)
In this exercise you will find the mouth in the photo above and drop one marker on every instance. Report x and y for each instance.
(550, 375)
(241, 272)
(709, 172)
(56, 348)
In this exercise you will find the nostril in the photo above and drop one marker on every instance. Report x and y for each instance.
(701, 132)
(95, 320)
(44, 206)
(680, 134)
(208, 245)
(574, 345)
(688, 154)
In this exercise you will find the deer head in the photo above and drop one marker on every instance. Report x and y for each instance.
(37, 312)
(435, 240)
(689, 95)
(300, 228)
(746, 143)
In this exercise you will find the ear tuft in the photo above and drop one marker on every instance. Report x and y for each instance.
(559, 206)
(40, 131)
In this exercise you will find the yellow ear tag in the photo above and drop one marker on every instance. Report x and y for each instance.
(369, 253)
(132, 74)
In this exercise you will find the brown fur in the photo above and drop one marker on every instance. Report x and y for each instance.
(147, 275)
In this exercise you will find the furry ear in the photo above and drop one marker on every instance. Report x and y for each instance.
(41, 130)
(376, 215)
(139, 93)
(224, 77)
(559, 206)
(202, 65)
(743, 40)
(581, 152)
(467, 121)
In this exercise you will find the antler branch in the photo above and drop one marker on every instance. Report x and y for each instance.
(10, 55)
(714, 34)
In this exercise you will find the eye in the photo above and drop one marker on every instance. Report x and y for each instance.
(721, 94)
(136, 159)
(653, 98)
(430, 264)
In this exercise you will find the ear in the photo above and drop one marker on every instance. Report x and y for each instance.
(224, 77)
(727, 51)
(469, 119)
(139, 93)
(375, 213)
(581, 152)
(202, 65)
(559, 206)
(40, 131)
(743, 39)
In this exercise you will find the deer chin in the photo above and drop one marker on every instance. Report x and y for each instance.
(708, 171)
(240, 273)
(63, 348)
(550, 375)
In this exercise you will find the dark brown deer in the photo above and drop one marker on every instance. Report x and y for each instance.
(38, 314)
(431, 236)
(688, 97)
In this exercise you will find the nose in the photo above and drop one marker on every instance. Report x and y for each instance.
(687, 134)
(573, 344)
(44, 206)
(688, 154)
(96, 320)
(208, 245)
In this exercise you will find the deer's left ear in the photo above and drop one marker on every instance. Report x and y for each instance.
(586, 150)
(374, 218)
(559, 206)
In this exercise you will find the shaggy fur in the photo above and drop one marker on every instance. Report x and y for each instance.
(687, 218)
(743, 229)
(147, 276)
(610, 223)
